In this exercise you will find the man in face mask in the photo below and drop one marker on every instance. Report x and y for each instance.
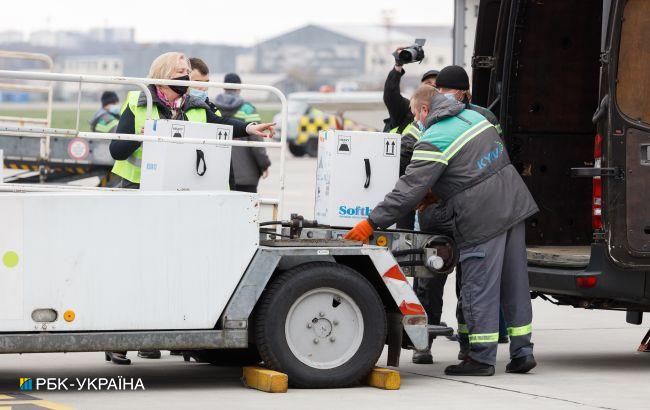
(453, 83)
(107, 117)
(201, 72)
(461, 158)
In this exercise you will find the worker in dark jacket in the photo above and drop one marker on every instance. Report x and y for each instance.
(399, 112)
(461, 158)
(170, 102)
(107, 117)
(249, 164)
(453, 83)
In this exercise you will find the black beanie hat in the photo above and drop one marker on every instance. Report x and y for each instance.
(109, 97)
(454, 77)
(232, 78)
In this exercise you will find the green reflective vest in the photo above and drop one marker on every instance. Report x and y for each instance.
(412, 129)
(129, 168)
(247, 113)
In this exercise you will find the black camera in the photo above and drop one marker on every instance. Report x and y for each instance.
(411, 54)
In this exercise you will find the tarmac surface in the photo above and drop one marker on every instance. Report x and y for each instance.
(587, 359)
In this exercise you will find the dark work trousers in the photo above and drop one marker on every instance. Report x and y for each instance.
(495, 274)
(462, 333)
(245, 188)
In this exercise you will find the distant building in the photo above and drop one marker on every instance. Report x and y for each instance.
(323, 54)
(107, 51)
(279, 81)
(379, 43)
(113, 34)
(245, 63)
(138, 57)
(11, 36)
(91, 64)
(59, 39)
(311, 52)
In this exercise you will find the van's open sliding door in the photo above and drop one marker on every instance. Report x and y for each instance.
(626, 213)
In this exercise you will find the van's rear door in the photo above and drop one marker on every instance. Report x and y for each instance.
(626, 75)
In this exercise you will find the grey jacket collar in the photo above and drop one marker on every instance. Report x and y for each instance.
(441, 107)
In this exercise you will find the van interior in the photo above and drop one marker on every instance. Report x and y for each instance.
(549, 98)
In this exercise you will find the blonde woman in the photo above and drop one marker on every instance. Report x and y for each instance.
(169, 102)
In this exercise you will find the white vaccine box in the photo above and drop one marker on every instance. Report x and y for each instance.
(355, 171)
(168, 166)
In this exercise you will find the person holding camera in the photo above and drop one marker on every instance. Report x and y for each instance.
(399, 112)
(402, 121)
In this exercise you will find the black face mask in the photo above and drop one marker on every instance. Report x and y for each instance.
(180, 89)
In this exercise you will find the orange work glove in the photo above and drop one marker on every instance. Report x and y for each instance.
(360, 232)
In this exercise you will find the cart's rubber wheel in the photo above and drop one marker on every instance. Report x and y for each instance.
(227, 357)
(321, 323)
(296, 150)
(311, 147)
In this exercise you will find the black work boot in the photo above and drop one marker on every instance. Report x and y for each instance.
(521, 364)
(422, 357)
(117, 358)
(469, 367)
(149, 354)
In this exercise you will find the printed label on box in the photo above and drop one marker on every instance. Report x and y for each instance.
(178, 131)
(390, 147)
(223, 134)
(344, 145)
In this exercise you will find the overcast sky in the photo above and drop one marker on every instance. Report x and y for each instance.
(242, 22)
